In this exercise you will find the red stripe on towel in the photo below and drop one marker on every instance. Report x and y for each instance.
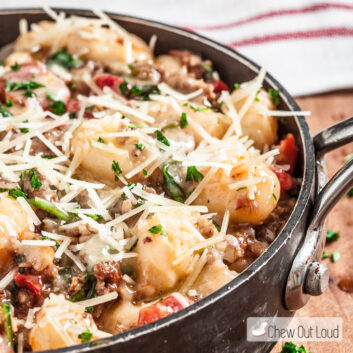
(284, 12)
(319, 33)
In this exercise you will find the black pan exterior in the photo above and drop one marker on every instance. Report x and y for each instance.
(218, 322)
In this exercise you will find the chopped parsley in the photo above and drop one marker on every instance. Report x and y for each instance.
(85, 336)
(331, 235)
(27, 86)
(158, 229)
(183, 120)
(48, 156)
(218, 227)
(144, 172)
(72, 115)
(236, 86)
(324, 256)
(274, 196)
(57, 107)
(140, 146)
(25, 130)
(162, 138)
(15, 193)
(64, 59)
(100, 140)
(142, 93)
(290, 347)
(196, 109)
(193, 174)
(9, 102)
(117, 170)
(274, 95)
(335, 256)
(4, 112)
(15, 67)
(350, 193)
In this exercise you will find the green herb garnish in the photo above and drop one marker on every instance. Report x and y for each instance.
(193, 174)
(158, 229)
(196, 109)
(100, 140)
(117, 170)
(183, 120)
(236, 86)
(4, 112)
(324, 256)
(57, 107)
(290, 347)
(274, 196)
(27, 86)
(172, 187)
(331, 235)
(47, 156)
(144, 172)
(140, 146)
(162, 138)
(218, 227)
(64, 59)
(9, 102)
(85, 336)
(15, 67)
(34, 180)
(274, 95)
(335, 256)
(208, 68)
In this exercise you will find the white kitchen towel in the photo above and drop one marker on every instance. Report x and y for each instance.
(306, 44)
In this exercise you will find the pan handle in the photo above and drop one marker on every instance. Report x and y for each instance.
(308, 276)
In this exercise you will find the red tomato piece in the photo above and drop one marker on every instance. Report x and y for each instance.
(31, 282)
(288, 152)
(74, 106)
(165, 307)
(285, 179)
(108, 80)
(219, 86)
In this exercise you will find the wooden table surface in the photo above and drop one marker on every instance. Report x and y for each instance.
(326, 110)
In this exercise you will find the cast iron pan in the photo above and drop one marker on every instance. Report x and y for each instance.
(278, 282)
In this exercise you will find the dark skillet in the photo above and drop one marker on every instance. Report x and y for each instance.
(284, 277)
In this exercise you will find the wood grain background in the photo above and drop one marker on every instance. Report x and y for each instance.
(326, 110)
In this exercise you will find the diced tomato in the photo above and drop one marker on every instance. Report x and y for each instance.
(31, 282)
(74, 106)
(288, 152)
(108, 80)
(165, 307)
(285, 179)
(219, 86)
